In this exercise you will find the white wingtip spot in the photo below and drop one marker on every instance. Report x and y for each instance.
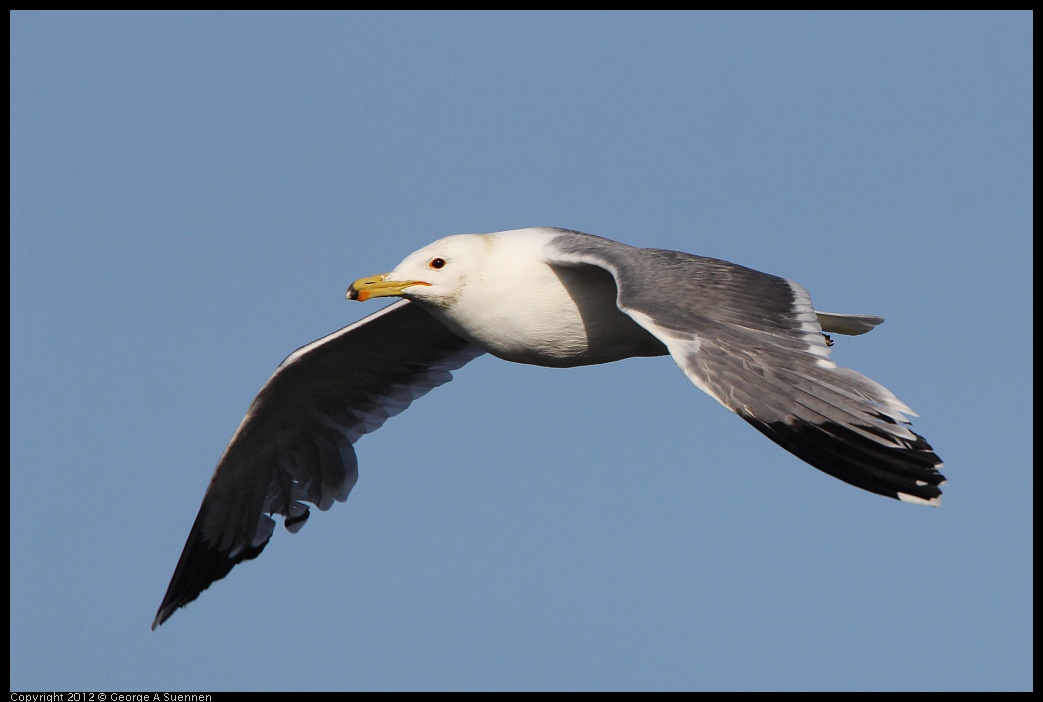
(913, 499)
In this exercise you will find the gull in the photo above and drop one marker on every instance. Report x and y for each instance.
(558, 298)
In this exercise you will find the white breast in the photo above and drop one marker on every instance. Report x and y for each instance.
(521, 309)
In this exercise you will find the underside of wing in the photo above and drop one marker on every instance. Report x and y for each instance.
(295, 443)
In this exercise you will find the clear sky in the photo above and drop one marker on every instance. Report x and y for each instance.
(191, 194)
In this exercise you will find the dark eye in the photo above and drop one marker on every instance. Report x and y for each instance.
(437, 263)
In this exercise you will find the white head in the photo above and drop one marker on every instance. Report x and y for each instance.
(435, 274)
(502, 293)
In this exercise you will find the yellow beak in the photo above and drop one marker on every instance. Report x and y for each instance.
(379, 286)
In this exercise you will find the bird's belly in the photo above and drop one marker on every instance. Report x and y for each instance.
(576, 345)
(562, 329)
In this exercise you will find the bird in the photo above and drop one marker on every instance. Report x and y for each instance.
(558, 298)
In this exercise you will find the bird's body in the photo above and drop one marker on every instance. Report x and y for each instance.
(549, 297)
(534, 313)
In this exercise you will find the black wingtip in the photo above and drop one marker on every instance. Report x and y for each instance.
(899, 468)
(199, 567)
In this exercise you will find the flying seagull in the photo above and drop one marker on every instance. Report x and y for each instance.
(548, 297)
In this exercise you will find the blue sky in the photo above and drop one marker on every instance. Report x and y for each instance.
(192, 193)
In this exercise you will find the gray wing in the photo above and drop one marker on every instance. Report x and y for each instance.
(752, 342)
(295, 443)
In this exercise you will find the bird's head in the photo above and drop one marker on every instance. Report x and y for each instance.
(435, 274)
